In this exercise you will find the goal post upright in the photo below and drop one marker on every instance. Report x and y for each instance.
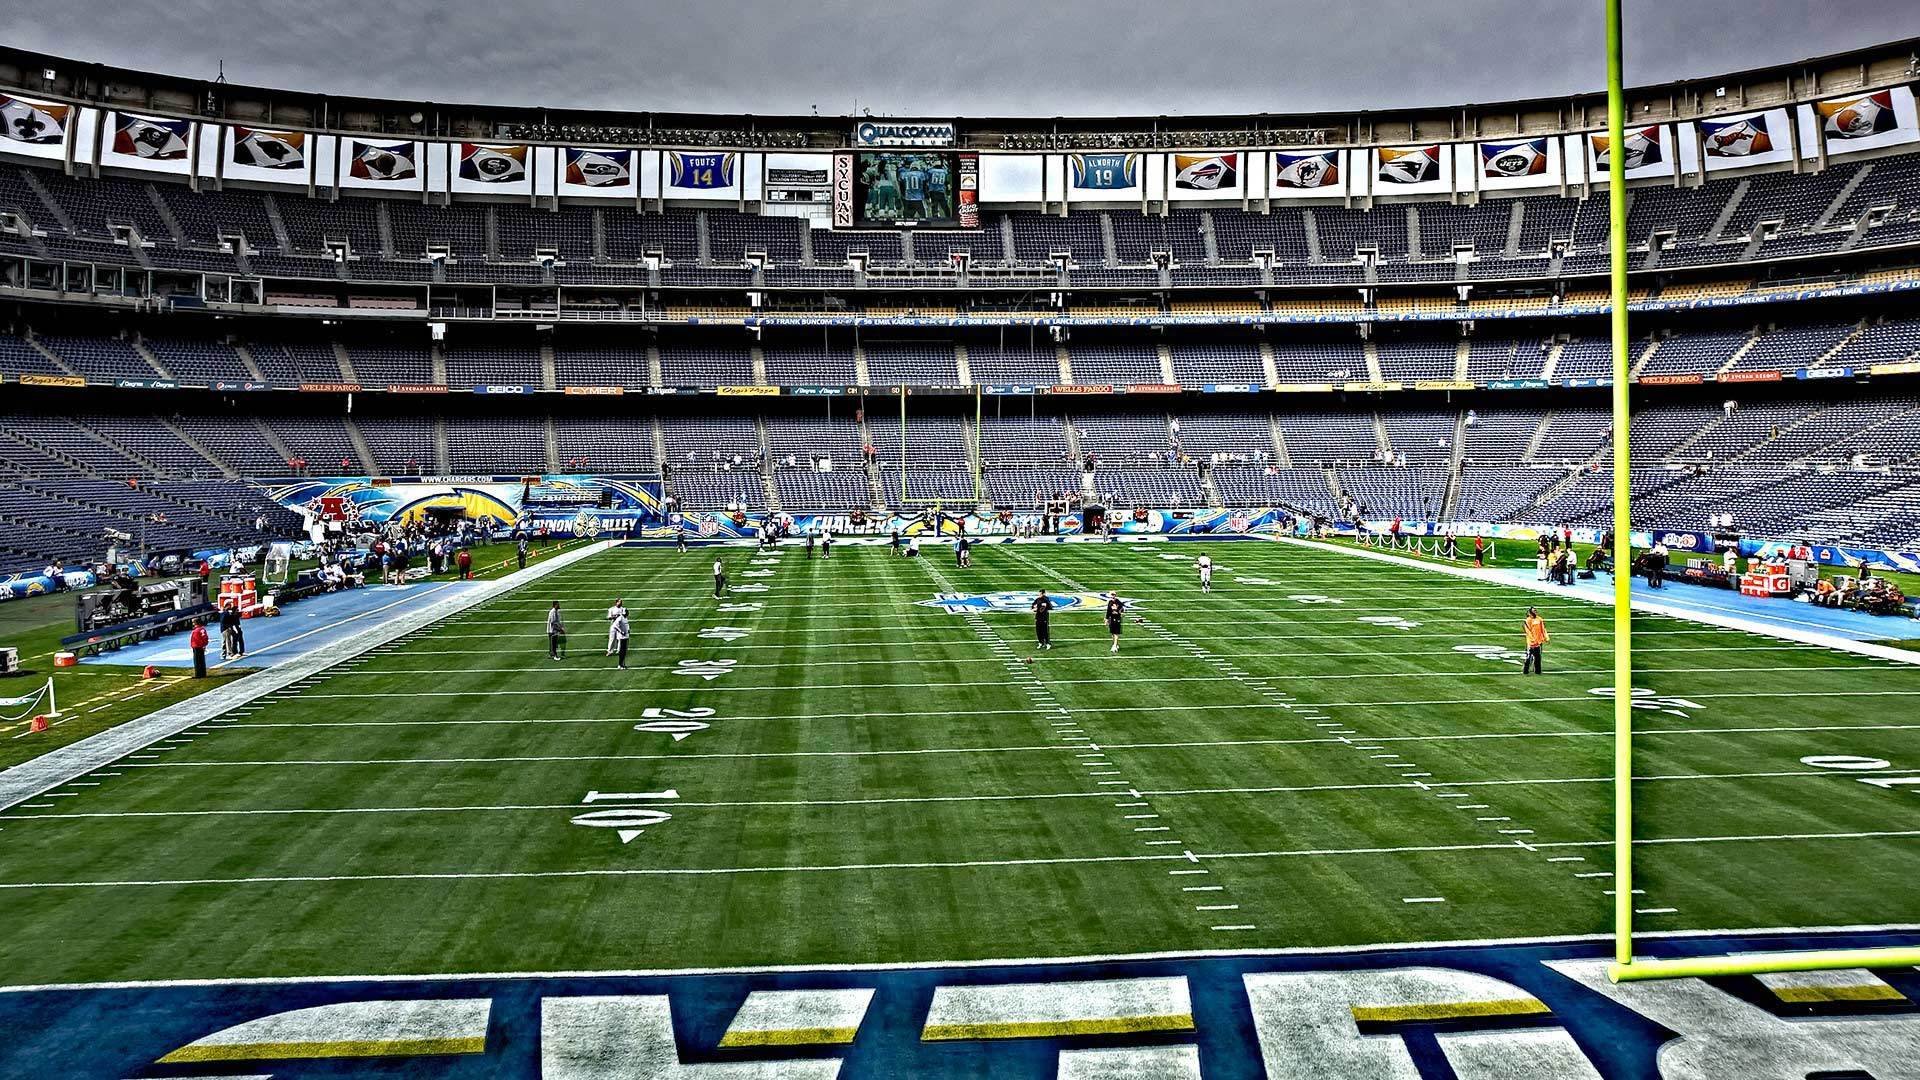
(1622, 495)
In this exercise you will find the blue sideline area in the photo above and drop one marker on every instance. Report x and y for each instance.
(1782, 614)
(303, 626)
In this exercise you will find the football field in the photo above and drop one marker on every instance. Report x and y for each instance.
(865, 760)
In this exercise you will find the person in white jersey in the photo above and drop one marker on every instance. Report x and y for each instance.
(614, 614)
(719, 579)
(1206, 573)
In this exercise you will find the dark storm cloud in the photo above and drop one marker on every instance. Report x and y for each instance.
(953, 57)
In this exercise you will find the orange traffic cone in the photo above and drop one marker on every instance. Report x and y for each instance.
(39, 724)
(149, 672)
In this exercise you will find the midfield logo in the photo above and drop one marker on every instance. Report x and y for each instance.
(1020, 602)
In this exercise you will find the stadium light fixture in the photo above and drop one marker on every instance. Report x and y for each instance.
(1626, 968)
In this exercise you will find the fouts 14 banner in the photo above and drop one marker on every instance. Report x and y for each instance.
(701, 172)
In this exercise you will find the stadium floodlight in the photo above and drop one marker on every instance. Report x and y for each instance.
(1627, 968)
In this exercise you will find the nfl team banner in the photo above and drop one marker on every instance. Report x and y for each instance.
(1510, 159)
(1643, 150)
(1206, 172)
(1312, 170)
(1739, 136)
(701, 172)
(150, 138)
(382, 162)
(493, 164)
(1409, 164)
(1857, 117)
(269, 149)
(33, 121)
(1105, 172)
(599, 168)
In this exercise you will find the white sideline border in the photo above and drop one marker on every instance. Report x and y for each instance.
(1495, 577)
(35, 777)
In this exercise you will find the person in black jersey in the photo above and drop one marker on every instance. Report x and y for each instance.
(962, 556)
(680, 539)
(1116, 616)
(1042, 620)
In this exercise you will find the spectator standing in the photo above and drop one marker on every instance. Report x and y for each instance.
(617, 611)
(1536, 630)
(556, 633)
(620, 631)
(197, 641)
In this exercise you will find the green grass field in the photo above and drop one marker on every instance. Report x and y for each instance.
(1305, 757)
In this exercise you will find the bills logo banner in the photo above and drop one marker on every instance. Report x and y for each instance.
(1643, 148)
(150, 138)
(1206, 172)
(701, 172)
(269, 149)
(1741, 136)
(1409, 164)
(33, 121)
(1105, 172)
(1857, 117)
(1314, 170)
(600, 168)
(493, 164)
(383, 162)
(1528, 158)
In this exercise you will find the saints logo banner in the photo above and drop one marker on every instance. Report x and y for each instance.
(1315, 170)
(1643, 148)
(1206, 172)
(1742, 136)
(599, 168)
(701, 172)
(150, 138)
(384, 162)
(1857, 117)
(33, 121)
(493, 164)
(1409, 164)
(269, 149)
(1105, 172)
(1528, 158)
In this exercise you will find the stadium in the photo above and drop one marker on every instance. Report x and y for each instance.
(497, 591)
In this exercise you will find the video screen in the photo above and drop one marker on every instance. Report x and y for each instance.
(907, 187)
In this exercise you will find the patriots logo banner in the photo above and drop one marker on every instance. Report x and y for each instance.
(1409, 164)
(702, 172)
(1740, 137)
(599, 168)
(493, 164)
(382, 162)
(1643, 148)
(1105, 172)
(1306, 170)
(1528, 158)
(269, 149)
(1206, 172)
(1857, 117)
(33, 121)
(153, 139)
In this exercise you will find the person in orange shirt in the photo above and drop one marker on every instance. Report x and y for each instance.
(1536, 641)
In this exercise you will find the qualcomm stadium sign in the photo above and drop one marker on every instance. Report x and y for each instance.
(1519, 1011)
(904, 133)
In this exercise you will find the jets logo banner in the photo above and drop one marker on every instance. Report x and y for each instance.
(1315, 170)
(599, 168)
(1206, 172)
(382, 162)
(33, 121)
(1642, 148)
(269, 149)
(1409, 164)
(493, 164)
(150, 138)
(1742, 136)
(1528, 158)
(1857, 117)
(701, 172)
(1105, 172)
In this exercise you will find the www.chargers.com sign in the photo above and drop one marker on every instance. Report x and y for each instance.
(961, 603)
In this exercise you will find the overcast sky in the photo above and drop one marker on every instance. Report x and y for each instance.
(950, 57)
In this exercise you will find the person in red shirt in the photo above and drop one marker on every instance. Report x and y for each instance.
(464, 561)
(197, 641)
